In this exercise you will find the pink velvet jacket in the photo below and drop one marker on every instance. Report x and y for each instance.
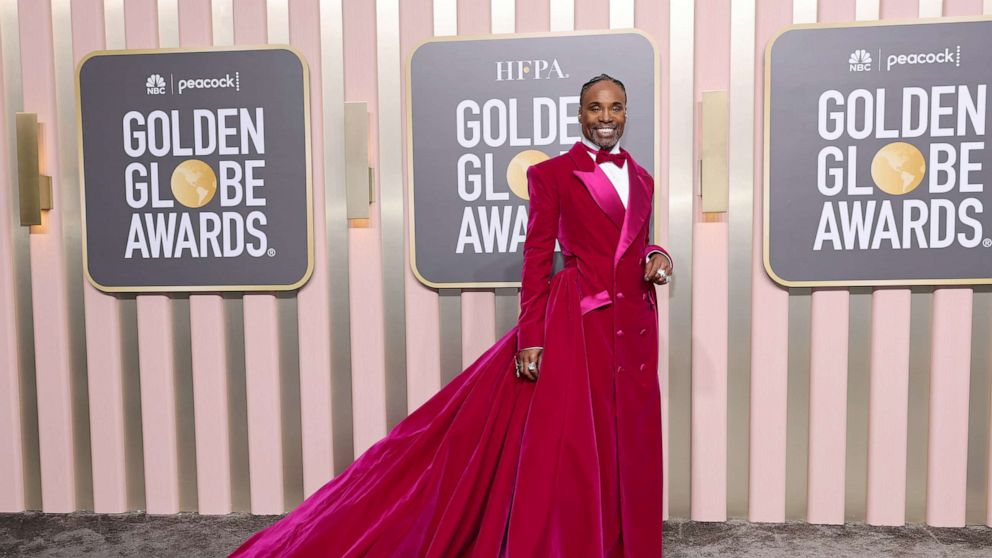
(573, 201)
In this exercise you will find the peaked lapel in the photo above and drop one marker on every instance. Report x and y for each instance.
(598, 184)
(638, 208)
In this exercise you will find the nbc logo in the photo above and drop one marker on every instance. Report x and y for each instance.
(859, 61)
(155, 85)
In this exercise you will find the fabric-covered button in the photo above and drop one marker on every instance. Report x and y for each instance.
(644, 331)
(620, 296)
(619, 333)
(644, 296)
(619, 369)
(643, 367)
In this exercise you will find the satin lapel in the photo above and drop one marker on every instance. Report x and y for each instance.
(598, 185)
(638, 210)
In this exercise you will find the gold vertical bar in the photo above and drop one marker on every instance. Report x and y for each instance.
(356, 147)
(27, 168)
(713, 178)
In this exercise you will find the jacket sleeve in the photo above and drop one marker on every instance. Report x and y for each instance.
(655, 249)
(539, 250)
(652, 248)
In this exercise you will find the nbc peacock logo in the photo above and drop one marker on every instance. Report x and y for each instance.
(859, 61)
(155, 85)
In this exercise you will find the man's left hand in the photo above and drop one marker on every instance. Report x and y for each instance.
(651, 268)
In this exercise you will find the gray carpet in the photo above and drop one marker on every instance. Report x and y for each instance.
(190, 536)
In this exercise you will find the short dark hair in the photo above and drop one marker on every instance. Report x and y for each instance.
(597, 79)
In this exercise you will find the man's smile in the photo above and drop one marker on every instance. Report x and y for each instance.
(605, 132)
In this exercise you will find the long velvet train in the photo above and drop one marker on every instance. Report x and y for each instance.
(490, 466)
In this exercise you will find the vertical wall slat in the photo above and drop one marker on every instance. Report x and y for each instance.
(950, 363)
(48, 277)
(65, 102)
(419, 20)
(681, 191)
(741, 197)
(157, 359)
(976, 386)
(709, 294)
(828, 375)
(950, 374)
(13, 333)
(532, 17)
(478, 307)
(336, 213)
(391, 214)
(104, 339)
(562, 14)
(316, 404)
(652, 17)
(261, 341)
(207, 335)
(769, 320)
(366, 293)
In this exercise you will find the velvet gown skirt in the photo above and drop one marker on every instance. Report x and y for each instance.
(491, 466)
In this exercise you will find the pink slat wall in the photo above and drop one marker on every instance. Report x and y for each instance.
(709, 293)
(769, 318)
(105, 370)
(950, 335)
(828, 374)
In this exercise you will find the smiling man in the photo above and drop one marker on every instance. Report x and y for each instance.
(589, 336)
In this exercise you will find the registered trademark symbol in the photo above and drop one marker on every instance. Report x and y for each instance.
(272, 252)
(987, 242)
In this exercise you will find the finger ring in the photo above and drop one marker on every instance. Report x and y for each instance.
(532, 366)
(661, 273)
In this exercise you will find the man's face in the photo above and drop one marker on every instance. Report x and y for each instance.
(602, 113)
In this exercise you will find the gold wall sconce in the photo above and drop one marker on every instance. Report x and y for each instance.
(359, 175)
(34, 188)
(713, 165)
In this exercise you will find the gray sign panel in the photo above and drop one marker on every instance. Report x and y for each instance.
(876, 156)
(196, 169)
(481, 112)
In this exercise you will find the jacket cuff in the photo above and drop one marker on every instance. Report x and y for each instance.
(652, 248)
(527, 339)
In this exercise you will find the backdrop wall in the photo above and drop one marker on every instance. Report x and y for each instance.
(824, 405)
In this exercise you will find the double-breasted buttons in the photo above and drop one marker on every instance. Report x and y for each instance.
(619, 333)
(643, 367)
(644, 331)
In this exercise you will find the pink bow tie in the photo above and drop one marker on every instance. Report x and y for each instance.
(618, 159)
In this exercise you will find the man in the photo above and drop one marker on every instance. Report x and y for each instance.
(593, 327)
(603, 114)
(496, 465)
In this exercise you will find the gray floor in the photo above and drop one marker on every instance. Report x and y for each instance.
(189, 535)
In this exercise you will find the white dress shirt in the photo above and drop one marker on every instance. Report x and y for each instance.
(618, 176)
(620, 179)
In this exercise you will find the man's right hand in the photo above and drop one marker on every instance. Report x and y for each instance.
(525, 358)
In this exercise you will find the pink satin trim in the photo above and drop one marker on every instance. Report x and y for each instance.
(594, 301)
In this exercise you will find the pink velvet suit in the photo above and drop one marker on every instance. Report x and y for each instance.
(493, 465)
